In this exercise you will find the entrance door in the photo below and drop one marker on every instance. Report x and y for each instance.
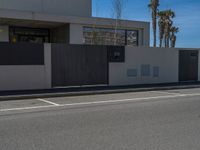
(188, 65)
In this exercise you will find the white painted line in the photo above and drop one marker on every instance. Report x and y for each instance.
(101, 102)
(49, 102)
(164, 92)
(27, 108)
(123, 100)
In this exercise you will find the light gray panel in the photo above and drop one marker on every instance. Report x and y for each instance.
(156, 71)
(145, 70)
(132, 72)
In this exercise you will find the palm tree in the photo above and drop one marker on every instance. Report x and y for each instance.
(161, 24)
(173, 31)
(154, 8)
(169, 15)
(165, 23)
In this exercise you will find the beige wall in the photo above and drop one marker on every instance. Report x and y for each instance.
(4, 33)
(165, 59)
(81, 8)
(27, 77)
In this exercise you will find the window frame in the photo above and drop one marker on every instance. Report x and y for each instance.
(12, 30)
(87, 28)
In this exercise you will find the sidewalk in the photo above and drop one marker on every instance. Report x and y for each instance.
(77, 91)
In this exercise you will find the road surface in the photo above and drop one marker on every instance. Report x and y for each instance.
(156, 120)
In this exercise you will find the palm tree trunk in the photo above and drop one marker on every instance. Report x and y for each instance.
(173, 41)
(161, 41)
(168, 40)
(174, 44)
(154, 23)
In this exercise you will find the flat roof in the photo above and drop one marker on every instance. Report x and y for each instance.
(34, 16)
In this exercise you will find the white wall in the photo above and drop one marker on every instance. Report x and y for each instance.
(4, 33)
(165, 59)
(81, 8)
(27, 77)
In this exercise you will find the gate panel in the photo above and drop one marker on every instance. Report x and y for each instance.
(188, 65)
(75, 65)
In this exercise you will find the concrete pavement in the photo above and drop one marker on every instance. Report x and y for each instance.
(151, 120)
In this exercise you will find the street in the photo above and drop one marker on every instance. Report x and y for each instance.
(153, 120)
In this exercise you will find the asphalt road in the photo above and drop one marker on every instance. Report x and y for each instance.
(160, 120)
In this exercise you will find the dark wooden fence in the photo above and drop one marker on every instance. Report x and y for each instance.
(75, 65)
(188, 65)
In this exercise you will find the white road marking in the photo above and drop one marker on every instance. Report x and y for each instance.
(124, 100)
(101, 102)
(165, 92)
(49, 102)
(27, 108)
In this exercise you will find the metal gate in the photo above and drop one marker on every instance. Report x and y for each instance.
(76, 65)
(188, 65)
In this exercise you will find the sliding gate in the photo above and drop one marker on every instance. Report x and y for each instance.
(188, 65)
(76, 65)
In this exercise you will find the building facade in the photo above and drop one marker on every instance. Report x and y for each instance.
(66, 21)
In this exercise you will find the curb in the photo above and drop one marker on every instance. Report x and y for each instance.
(82, 93)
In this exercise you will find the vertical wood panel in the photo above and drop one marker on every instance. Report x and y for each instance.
(188, 65)
(75, 65)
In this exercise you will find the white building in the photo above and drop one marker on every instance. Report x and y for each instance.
(65, 21)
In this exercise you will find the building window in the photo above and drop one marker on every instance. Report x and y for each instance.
(132, 37)
(31, 35)
(105, 36)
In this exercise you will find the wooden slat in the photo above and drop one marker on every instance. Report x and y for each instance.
(75, 65)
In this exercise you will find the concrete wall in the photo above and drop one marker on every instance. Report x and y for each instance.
(76, 34)
(143, 65)
(82, 8)
(129, 72)
(27, 77)
(4, 33)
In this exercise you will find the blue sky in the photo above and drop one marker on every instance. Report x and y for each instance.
(187, 16)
